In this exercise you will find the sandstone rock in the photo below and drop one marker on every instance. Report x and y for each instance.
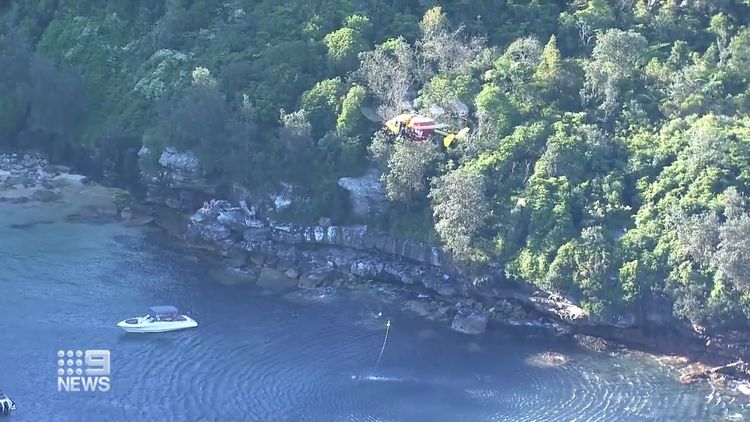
(419, 307)
(271, 278)
(257, 235)
(470, 322)
(232, 219)
(231, 276)
(44, 195)
(292, 273)
(286, 233)
(126, 213)
(366, 268)
(366, 193)
(547, 359)
(316, 278)
(284, 198)
(214, 232)
(445, 289)
(140, 220)
(591, 343)
(172, 159)
(253, 223)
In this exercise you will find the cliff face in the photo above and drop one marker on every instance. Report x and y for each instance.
(176, 179)
(355, 250)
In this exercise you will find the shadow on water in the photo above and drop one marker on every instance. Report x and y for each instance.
(30, 225)
(151, 338)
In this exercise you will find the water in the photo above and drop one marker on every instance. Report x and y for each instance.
(258, 356)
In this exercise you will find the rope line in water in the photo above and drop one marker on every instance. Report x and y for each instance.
(385, 340)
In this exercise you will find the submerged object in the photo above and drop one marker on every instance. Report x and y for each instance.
(6, 405)
(161, 319)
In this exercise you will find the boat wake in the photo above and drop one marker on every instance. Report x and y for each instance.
(376, 378)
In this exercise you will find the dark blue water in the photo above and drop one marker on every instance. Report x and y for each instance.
(267, 355)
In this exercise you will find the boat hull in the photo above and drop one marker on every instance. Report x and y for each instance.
(158, 326)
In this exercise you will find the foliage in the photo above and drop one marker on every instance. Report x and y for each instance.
(460, 208)
(607, 159)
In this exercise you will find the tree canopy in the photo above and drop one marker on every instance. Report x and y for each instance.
(609, 152)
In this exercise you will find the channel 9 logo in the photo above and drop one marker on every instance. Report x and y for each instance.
(83, 371)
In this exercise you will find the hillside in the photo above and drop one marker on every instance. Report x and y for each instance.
(609, 157)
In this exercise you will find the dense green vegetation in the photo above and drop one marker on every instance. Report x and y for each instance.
(609, 158)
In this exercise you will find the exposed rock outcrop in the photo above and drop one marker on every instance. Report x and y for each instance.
(591, 343)
(175, 179)
(547, 359)
(366, 193)
(469, 322)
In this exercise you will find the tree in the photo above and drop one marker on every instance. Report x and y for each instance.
(57, 100)
(451, 51)
(494, 117)
(460, 209)
(350, 119)
(550, 65)
(733, 255)
(614, 62)
(321, 104)
(408, 167)
(514, 71)
(380, 149)
(596, 16)
(388, 72)
(343, 47)
(202, 76)
(739, 52)
(297, 147)
(722, 27)
(699, 236)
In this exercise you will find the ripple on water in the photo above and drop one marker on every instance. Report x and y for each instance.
(250, 360)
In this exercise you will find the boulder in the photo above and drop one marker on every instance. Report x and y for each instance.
(140, 220)
(398, 272)
(214, 232)
(420, 307)
(547, 360)
(590, 343)
(287, 233)
(316, 278)
(365, 192)
(254, 223)
(271, 278)
(234, 275)
(234, 219)
(366, 268)
(284, 198)
(45, 195)
(257, 235)
(470, 322)
(291, 273)
(445, 289)
(181, 161)
(94, 214)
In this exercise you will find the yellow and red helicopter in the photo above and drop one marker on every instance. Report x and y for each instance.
(418, 128)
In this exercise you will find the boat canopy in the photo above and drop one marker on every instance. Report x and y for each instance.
(164, 310)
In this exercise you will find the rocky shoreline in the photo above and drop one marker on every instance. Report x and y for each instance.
(254, 248)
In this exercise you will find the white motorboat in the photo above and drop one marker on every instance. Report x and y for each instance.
(6, 405)
(161, 319)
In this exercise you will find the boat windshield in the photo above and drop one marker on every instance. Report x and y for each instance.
(171, 318)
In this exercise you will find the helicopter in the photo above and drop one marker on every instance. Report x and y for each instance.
(419, 128)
